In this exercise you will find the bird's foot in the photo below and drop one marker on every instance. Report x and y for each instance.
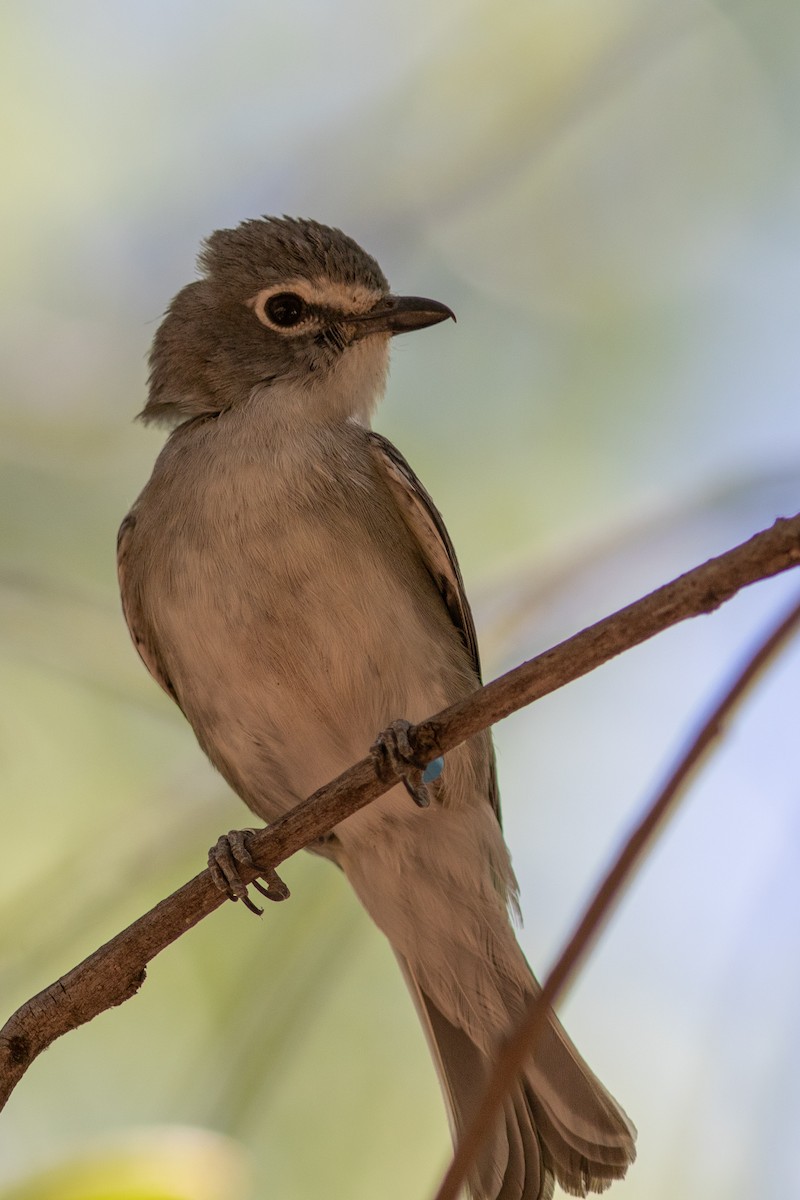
(225, 859)
(394, 755)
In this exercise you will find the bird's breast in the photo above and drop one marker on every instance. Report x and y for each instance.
(295, 621)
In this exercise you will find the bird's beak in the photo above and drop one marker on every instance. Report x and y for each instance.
(399, 314)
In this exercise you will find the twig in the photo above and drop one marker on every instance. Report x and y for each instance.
(522, 1043)
(116, 971)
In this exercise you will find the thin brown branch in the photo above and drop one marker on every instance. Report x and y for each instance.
(115, 972)
(522, 1043)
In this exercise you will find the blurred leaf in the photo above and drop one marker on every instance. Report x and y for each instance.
(155, 1164)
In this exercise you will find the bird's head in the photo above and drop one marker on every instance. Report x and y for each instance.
(289, 310)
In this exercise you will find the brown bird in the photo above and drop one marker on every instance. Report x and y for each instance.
(290, 584)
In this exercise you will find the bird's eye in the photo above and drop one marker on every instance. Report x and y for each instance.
(285, 309)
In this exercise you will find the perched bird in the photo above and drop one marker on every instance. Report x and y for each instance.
(289, 582)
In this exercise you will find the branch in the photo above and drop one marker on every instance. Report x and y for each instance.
(116, 971)
(522, 1042)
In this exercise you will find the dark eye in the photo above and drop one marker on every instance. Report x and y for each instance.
(285, 309)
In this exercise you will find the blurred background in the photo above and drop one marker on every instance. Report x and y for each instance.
(607, 195)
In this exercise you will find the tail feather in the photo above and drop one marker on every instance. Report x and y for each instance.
(574, 1101)
(523, 1177)
(463, 1072)
(538, 1179)
(579, 1169)
(559, 1124)
(510, 1188)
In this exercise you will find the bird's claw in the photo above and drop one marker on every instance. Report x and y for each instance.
(394, 755)
(225, 859)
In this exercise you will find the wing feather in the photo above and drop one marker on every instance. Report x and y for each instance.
(140, 632)
(425, 523)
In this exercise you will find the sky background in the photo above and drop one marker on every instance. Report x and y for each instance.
(606, 193)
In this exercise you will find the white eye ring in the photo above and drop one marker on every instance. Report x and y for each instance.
(284, 310)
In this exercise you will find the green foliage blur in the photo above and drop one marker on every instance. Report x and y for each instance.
(607, 195)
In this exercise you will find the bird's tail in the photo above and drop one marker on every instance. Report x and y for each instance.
(559, 1122)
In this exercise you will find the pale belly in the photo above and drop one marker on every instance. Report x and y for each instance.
(291, 646)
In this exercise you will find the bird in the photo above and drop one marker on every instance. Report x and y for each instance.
(288, 581)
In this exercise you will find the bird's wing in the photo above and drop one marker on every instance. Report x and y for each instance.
(424, 522)
(140, 632)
